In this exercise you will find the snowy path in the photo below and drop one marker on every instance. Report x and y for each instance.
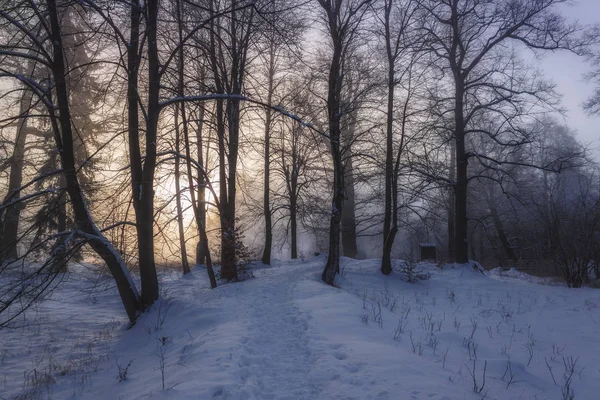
(275, 359)
(287, 336)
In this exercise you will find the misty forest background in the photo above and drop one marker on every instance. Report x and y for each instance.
(137, 134)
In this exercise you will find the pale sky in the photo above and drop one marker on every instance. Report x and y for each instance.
(567, 70)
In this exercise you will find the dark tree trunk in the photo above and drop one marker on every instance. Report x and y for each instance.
(184, 259)
(182, 246)
(228, 262)
(388, 234)
(240, 24)
(199, 215)
(451, 205)
(332, 268)
(339, 39)
(461, 241)
(64, 140)
(294, 228)
(266, 258)
(349, 247)
(142, 173)
(10, 227)
(197, 207)
(145, 203)
(201, 248)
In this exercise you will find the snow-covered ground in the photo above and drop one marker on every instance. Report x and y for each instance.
(286, 335)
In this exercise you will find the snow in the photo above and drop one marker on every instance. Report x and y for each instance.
(285, 335)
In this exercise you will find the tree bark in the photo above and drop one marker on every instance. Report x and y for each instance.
(266, 258)
(184, 259)
(332, 267)
(461, 241)
(388, 234)
(452, 205)
(145, 204)
(201, 248)
(294, 228)
(182, 246)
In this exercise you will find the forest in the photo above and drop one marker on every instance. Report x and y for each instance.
(211, 136)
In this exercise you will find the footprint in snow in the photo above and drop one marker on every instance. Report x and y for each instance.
(354, 368)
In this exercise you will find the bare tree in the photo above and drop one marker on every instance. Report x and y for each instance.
(343, 19)
(473, 39)
(397, 21)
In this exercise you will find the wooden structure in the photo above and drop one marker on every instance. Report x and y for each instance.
(427, 251)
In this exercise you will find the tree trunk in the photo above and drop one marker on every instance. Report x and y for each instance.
(145, 203)
(228, 263)
(388, 234)
(266, 258)
(452, 205)
(335, 80)
(201, 248)
(462, 246)
(10, 228)
(184, 260)
(64, 139)
(197, 207)
(349, 247)
(332, 267)
(294, 228)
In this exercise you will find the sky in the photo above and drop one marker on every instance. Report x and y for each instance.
(566, 70)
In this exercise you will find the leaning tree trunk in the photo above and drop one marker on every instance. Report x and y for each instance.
(10, 226)
(64, 138)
